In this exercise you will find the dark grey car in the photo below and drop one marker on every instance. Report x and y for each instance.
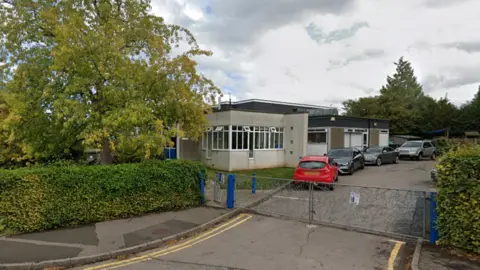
(348, 159)
(379, 155)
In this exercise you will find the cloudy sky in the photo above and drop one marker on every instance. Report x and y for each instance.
(325, 51)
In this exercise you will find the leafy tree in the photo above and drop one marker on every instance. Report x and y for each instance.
(99, 73)
(401, 97)
(363, 107)
(469, 118)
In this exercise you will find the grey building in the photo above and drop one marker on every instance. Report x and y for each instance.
(254, 134)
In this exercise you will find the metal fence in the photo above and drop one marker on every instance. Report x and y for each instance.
(373, 209)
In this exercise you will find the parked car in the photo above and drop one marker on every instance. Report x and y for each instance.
(417, 150)
(379, 155)
(349, 159)
(319, 170)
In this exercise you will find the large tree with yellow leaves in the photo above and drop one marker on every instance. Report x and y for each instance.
(98, 73)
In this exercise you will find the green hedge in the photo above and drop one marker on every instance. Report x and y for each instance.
(42, 198)
(459, 198)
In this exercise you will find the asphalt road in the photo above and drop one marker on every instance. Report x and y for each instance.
(405, 175)
(268, 243)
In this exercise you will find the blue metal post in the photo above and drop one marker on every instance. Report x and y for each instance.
(231, 191)
(254, 183)
(202, 186)
(433, 218)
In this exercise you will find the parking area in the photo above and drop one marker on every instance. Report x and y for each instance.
(391, 199)
(407, 174)
(269, 243)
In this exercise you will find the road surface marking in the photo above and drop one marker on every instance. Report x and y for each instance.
(166, 252)
(207, 235)
(44, 243)
(394, 254)
(290, 198)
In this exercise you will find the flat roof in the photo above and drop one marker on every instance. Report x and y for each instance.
(278, 103)
(347, 117)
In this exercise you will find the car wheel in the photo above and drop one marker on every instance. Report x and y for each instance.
(351, 170)
(433, 156)
(378, 162)
(397, 159)
(331, 188)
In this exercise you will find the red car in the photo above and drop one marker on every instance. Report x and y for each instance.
(319, 170)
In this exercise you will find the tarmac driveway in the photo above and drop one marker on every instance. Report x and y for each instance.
(405, 175)
(270, 243)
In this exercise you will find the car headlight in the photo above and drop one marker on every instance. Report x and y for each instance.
(396, 150)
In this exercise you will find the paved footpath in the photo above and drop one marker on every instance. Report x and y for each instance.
(258, 242)
(101, 237)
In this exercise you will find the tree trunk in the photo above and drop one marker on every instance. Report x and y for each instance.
(106, 156)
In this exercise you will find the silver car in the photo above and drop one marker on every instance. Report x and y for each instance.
(417, 150)
(379, 155)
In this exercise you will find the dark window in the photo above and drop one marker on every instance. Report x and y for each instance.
(312, 165)
(317, 137)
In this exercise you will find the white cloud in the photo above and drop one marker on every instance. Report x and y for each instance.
(325, 51)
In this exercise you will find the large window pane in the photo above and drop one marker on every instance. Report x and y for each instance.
(215, 140)
(257, 139)
(234, 140)
(245, 140)
(225, 140)
(272, 140)
(250, 144)
(281, 140)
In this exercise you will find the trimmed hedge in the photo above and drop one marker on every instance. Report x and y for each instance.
(458, 199)
(42, 198)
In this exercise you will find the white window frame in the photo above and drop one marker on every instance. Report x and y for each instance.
(324, 131)
(217, 143)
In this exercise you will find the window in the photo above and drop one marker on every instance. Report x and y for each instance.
(313, 165)
(268, 137)
(427, 145)
(317, 137)
(206, 134)
(219, 136)
(240, 137)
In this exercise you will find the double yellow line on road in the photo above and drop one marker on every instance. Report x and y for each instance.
(200, 238)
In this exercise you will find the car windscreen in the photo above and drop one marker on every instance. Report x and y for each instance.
(373, 150)
(339, 153)
(412, 144)
(312, 165)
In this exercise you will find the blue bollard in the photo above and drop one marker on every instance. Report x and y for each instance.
(202, 186)
(433, 218)
(254, 183)
(231, 191)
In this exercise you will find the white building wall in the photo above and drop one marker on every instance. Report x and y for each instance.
(262, 158)
(296, 135)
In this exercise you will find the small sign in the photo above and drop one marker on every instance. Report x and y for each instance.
(354, 197)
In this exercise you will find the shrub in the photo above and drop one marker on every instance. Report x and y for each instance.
(445, 145)
(41, 198)
(459, 198)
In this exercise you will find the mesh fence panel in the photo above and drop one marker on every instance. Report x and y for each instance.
(372, 208)
(287, 198)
